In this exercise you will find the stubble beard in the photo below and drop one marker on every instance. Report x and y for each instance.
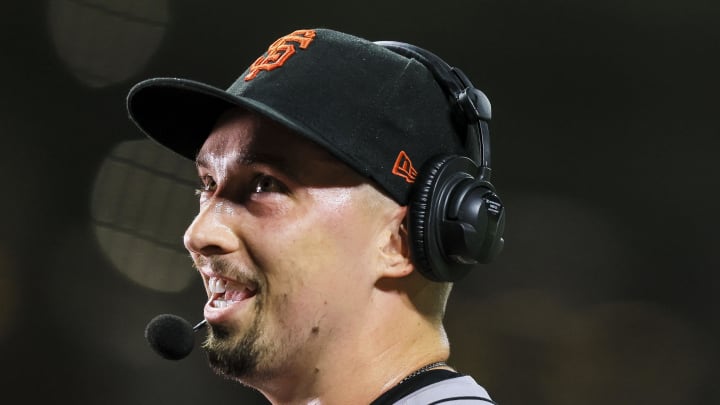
(236, 353)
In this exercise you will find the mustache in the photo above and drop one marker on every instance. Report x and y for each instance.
(228, 269)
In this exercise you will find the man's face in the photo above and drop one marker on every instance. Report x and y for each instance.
(287, 241)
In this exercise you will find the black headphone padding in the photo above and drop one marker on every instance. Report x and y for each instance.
(449, 219)
(420, 205)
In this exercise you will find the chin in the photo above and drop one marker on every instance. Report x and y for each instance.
(233, 354)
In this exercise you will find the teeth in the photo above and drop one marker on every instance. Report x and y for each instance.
(216, 285)
(222, 297)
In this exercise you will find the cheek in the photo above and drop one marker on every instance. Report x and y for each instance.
(341, 234)
(321, 257)
(337, 227)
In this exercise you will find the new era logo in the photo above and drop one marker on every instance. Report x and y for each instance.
(280, 51)
(403, 167)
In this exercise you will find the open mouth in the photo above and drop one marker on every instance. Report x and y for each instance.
(225, 293)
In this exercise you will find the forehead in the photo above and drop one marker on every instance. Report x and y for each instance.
(245, 131)
(243, 137)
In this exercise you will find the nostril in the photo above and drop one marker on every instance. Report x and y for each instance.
(212, 250)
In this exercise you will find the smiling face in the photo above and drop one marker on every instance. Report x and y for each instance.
(289, 242)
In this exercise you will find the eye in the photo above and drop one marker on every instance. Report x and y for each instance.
(207, 185)
(267, 184)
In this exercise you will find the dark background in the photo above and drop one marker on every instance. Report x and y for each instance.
(604, 140)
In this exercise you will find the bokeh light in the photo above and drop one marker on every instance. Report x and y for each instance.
(103, 42)
(141, 202)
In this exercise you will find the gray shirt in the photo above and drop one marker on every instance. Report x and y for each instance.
(454, 391)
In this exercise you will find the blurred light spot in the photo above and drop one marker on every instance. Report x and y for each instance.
(8, 292)
(142, 201)
(106, 41)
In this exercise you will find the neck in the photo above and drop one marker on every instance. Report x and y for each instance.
(370, 357)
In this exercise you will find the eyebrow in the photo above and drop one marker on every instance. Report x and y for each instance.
(248, 159)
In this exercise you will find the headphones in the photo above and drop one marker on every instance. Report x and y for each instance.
(456, 219)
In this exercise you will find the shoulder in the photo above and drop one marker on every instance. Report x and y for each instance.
(453, 391)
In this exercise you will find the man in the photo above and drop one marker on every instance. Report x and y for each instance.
(306, 237)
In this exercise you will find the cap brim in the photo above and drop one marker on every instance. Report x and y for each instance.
(179, 114)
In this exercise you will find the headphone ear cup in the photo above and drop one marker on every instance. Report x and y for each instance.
(421, 201)
(456, 220)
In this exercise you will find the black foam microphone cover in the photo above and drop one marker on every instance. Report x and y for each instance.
(171, 336)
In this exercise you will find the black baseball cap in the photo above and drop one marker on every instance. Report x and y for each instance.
(381, 113)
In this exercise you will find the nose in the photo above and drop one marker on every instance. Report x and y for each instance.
(211, 231)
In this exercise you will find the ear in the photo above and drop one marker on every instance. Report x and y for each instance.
(395, 248)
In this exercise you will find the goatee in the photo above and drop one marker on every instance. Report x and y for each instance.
(234, 354)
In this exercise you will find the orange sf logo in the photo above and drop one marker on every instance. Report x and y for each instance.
(280, 51)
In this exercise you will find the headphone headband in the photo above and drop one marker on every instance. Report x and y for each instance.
(472, 105)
